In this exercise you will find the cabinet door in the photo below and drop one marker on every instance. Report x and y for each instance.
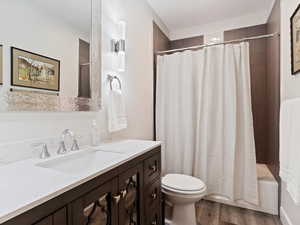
(58, 218)
(98, 207)
(131, 190)
(46, 221)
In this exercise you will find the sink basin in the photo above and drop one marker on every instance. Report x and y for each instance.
(127, 146)
(89, 161)
(3, 164)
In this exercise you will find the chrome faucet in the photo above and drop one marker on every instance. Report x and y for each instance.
(62, 146)
(44, 153)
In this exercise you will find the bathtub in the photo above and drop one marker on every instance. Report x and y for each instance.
(268, 193)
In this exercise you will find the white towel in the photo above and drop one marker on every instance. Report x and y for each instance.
(290, 147)
(117, 118)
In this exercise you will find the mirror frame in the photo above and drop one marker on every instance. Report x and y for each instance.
(36, 101)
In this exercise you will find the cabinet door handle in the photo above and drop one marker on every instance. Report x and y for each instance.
(153, 168)
(117, 199)
(124, 193)
(154, 196)
(154, 223)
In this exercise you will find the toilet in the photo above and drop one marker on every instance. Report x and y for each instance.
(183, 192)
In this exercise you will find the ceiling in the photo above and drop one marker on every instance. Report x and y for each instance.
(76, 13)
(182, 14)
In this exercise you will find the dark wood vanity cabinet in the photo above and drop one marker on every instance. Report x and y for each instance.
(127, 195)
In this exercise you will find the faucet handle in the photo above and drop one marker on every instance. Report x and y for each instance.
(44, 153)
(67, 132)
(62, 148)
(75, 146)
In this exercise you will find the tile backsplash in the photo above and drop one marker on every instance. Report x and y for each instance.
(18, 131)
(21, 150)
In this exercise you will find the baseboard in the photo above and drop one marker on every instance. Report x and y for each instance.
(245, 205)
(284, 217)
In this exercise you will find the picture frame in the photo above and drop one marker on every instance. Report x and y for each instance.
(295, 41)
(34, 71)
(1, 64)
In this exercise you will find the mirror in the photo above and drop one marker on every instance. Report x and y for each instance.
(50, 55)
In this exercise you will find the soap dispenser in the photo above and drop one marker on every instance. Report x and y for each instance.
(95, 134)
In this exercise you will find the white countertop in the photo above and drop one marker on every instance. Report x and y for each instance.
(24, 185)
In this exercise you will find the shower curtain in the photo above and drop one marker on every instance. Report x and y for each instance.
(204, 119)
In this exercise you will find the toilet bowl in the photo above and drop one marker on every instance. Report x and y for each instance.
(183, 192)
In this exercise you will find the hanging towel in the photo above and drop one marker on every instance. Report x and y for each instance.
(290, 147)
(117, 118)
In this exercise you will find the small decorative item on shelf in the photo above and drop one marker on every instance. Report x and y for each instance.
(119, 46)
(96, 139)
(1, 64)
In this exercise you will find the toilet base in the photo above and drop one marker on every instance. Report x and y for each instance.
(184, 214)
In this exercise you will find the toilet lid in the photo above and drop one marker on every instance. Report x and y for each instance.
(182, 183)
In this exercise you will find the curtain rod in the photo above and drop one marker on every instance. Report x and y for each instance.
(222, 43)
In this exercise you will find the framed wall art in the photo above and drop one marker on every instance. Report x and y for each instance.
(295, 41)
(30, 70)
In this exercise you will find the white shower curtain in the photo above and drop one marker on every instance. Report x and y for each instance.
(204, 119)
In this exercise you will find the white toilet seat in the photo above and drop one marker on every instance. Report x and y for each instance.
(167, 189)
(183, 184)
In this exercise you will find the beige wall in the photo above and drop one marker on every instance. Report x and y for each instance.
(138, 77)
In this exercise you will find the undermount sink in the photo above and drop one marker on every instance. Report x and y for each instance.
(3, 164)
(127, 146)
(83, 162)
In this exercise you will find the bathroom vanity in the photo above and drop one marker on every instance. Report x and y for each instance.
(113, 184)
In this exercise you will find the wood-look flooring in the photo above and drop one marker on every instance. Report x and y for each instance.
(212, 213)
